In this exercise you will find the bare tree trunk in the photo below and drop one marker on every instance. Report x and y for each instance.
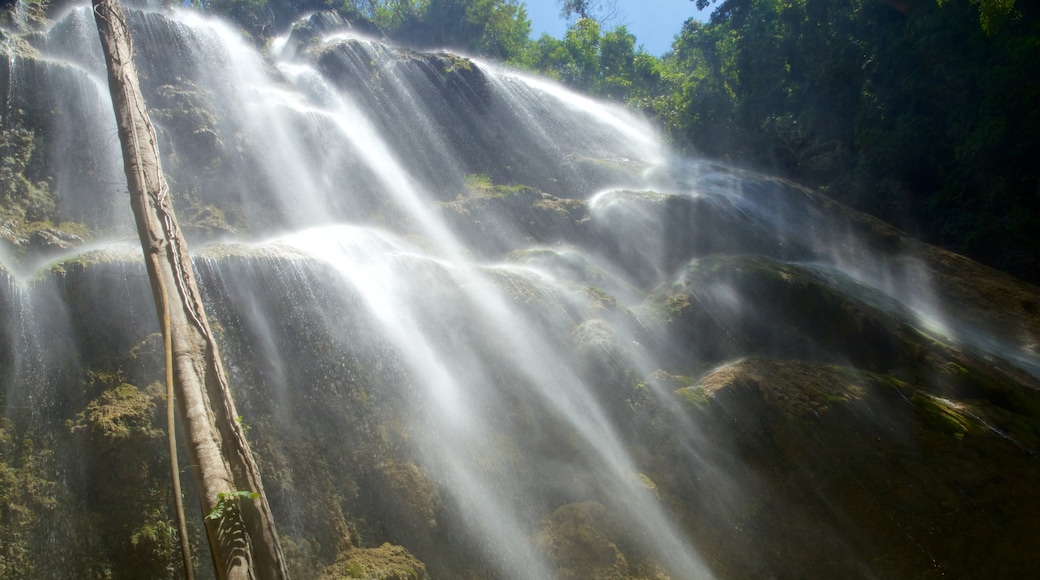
(243, 539)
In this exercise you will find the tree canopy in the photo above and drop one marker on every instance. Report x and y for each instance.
(919, 112)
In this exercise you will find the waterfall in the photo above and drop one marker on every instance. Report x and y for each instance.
(451, 297)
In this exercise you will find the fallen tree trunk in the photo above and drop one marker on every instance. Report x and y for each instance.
(239, 525)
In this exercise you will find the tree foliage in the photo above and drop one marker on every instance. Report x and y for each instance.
(602, 11)
(920, 113)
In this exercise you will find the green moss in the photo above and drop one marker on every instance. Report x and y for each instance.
(27, 502)
(579, 538)
(646, 482)
(676, 306)
(601, 299)
(480, 185)
(451, 63)
(477, 182)
(155, 536)
(694, 396)
(520, 288)
(25, 194)
(410, 486)
(953, 369)
(185, 102)
(120, 435)
(120, 413)
(79, 263)
(948, 416)
(203, 220)
(559, 205)
(585, 541)
(387, 562)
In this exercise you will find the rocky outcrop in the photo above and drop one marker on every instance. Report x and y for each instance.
(909, 483)
(500, 220)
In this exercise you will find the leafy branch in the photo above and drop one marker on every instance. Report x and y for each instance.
(227, 502)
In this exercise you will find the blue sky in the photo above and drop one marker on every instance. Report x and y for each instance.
(653, 22)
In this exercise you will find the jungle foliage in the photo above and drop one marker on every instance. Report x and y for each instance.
(919, 112)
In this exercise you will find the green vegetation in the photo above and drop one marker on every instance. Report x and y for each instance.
(23, 197)
(387, 562)
(120, 413)
(913, 112)
(584, 541)
(27, 499)
(121, 429)
(228, 503)
(28, 211)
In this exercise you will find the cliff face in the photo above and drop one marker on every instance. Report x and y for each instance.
(480, 327)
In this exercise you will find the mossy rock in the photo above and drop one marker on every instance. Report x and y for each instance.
(726, 307)
(993, 302)
(855, 463)
(967, 290)
(651, 235)
(568, 264)
(582, 541)
(29, 502)
(500, 220)
(604, 170)
(601, 358)
(309, 31)
(387, 562)
(408, 492)
(120, 413)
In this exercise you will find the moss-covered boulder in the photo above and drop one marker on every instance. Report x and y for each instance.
(127, 476)
(724, 308)
(308, 31)
(873, 472)
(650, 235)
(121, 413)
(959, 289)
(495, 220)
(730, 306)
(387, 562)
(584, 542)
(406, 499)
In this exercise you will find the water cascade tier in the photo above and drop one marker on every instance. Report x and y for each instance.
(479, 326)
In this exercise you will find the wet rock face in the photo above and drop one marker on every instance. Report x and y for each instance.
(767, 404)
(33, 245)
(311, 29)
(727, 307)
(585, 543)
(909, 481)
(498, 221)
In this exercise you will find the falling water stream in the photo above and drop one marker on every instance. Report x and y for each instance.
(338, 162)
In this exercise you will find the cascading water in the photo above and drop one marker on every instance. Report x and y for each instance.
(455, 307)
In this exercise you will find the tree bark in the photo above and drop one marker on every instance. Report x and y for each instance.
(243, 541)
